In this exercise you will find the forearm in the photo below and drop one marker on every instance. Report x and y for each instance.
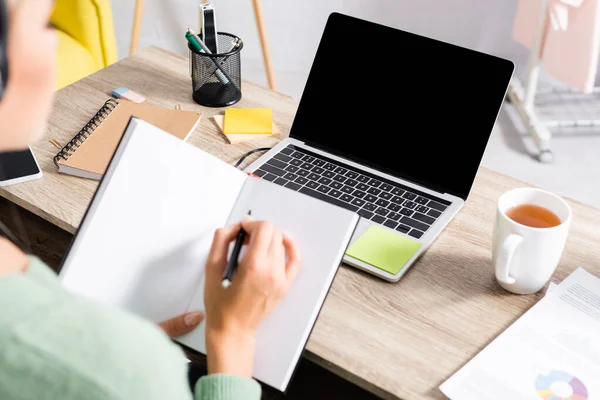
(230, 357)
(230, 352)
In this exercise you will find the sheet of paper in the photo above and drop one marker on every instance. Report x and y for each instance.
(384, 249)
(551, 353)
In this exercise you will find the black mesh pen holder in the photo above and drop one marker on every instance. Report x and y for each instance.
(216, 78)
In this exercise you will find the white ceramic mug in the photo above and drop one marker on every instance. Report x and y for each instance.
(523, 257)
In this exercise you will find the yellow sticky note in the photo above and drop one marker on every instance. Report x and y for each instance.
(239, 138)
(248, 121)
(383, 249)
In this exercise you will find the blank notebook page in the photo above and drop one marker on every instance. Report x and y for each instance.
(143, 245)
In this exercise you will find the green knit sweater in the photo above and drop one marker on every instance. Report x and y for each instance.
(56, 345)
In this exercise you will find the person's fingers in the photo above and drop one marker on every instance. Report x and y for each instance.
(261, 236)
(246, 219)
(293, 264)
(182, 324)
(217, 258)
(276, 246)
(221, 240)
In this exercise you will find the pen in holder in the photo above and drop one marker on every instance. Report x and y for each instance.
(216, 78)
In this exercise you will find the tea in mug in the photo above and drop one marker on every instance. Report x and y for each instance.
(533, 216)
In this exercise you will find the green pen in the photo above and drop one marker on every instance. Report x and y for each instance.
(192, 40)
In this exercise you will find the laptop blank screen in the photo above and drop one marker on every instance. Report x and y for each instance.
(413, 107)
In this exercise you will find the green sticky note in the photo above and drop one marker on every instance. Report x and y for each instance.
(383, 249)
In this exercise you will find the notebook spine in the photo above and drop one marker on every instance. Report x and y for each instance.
(86, 131)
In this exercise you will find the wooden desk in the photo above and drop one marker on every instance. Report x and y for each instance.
(397, 340)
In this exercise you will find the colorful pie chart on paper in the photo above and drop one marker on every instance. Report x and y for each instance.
(560, 385)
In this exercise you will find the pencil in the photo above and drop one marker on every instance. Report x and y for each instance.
(234, 259)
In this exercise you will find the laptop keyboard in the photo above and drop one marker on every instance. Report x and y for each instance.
(384, 202)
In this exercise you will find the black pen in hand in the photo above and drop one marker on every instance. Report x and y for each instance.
(233, 260)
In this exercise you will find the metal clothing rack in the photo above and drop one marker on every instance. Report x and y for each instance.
(544, 108)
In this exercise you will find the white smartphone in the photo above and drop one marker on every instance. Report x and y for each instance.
(18, 166)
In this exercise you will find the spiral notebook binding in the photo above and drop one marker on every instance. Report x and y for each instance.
(86, 131)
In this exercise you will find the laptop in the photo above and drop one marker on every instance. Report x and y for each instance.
(392, 126)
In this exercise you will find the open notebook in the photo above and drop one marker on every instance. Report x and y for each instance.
(144, 239)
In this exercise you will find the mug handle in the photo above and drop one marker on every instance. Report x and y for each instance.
(509, 246)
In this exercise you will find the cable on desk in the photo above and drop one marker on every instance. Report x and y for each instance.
(241, 160)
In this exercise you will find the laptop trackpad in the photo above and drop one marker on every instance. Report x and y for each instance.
(383, 249)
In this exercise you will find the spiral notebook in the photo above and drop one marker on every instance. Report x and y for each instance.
(87, 155)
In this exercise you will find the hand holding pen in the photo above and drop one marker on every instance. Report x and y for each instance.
(234, 259)
(261, 280)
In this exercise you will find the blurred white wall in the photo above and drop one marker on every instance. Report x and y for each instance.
(294, 28)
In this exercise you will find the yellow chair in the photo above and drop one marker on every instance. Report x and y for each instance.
(86, 38)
